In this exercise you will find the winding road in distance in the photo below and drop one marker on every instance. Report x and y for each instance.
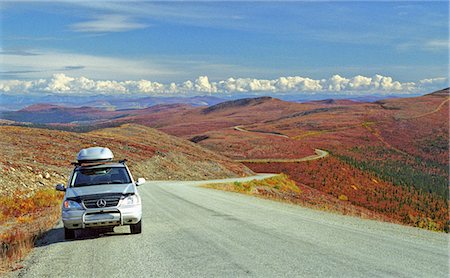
(319, 153)
(191, 231)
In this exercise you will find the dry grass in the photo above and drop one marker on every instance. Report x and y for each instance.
(277, 187)
(23, 220)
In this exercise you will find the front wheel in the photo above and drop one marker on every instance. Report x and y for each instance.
(69, 234)
(136, 228)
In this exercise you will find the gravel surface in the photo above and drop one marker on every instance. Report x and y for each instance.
(190, 231)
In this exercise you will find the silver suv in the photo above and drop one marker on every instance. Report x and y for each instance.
(100, 193)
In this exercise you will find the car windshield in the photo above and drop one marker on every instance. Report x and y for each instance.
(96, 176)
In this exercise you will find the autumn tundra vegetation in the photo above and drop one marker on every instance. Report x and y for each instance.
(388, 160)
(389, 157)
(389, 202)
(25, 216)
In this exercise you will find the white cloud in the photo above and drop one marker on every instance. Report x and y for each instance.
(60, 83)
(146, 86)
(433, 45)
(108, 23)
(360, 81)
(337, 83)
(436, 45)
(63, 84)
(297, 83)
(202, 85)
(430, 81)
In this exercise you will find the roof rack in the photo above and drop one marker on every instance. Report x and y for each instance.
(97, 162)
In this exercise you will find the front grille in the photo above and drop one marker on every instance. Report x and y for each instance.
(111, 201)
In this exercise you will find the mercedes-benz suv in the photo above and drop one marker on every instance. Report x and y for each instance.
(100, 193)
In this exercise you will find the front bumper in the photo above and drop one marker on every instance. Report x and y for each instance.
(90, 218)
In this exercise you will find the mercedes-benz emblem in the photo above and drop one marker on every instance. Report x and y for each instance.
(101, 203)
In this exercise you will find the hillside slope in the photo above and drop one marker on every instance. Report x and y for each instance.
(32, 158)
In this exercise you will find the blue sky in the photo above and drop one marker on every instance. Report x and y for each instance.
(172, 42)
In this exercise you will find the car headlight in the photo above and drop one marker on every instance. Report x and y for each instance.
(68, 204)
(131, 200)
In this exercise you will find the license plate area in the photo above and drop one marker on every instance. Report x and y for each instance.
(101, 217)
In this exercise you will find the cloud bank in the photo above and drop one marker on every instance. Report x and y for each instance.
(336, 84)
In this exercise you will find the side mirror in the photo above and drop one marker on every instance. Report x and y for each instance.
(60, 187)
(140, 181)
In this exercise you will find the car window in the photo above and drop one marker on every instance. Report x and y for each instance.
(96, 176)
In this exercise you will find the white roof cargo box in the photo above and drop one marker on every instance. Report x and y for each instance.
(95, 154)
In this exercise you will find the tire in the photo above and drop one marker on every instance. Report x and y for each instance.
(136, 228)
(69, 234)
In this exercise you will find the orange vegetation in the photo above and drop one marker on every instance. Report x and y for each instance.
(23, 218)
(335, 178)
(283, 188)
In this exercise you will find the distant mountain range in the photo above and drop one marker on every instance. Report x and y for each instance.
(106, 102)
(119, 102)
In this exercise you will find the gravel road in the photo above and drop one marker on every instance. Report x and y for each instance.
(189, 231)
(319, 154)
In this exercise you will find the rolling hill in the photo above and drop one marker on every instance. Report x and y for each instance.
(33, 158)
